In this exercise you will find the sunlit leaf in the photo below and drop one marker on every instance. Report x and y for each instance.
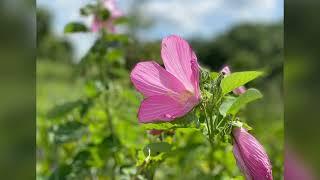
(214, 75)
(238, 79)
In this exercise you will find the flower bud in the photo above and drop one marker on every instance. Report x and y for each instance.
(251, 156)
(155, 132)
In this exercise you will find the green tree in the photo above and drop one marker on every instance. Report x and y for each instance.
(246, 46)
(49, 45)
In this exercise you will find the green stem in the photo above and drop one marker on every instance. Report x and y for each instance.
(218, 125)
(206, 119)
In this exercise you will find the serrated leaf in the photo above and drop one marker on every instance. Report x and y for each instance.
(161, 126)
(238, 79)
(75, 27)
(157, 148)
(245, 98)
(187, 121)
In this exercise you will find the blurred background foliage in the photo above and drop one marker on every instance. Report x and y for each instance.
(87, 125)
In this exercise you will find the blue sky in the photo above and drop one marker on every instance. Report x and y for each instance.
(188, 18)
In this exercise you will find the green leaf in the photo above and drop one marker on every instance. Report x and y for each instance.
(157, 148)
(75, 27)
(226, 104)
(238, 79)
(103, 14)
(122, 38)
(93, 88)
(114, 55)
(87, 10)
(241, 124)
(249, 96)
(188, 121)
(63, 109)
(80, 161)
(68, 131)
(214, 75)
(61, 172)
(121, 20)
(110, 142)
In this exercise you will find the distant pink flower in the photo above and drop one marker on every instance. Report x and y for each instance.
(240, 90)
(295, 167)
(251, 156)
(115, 13)
(172, 92)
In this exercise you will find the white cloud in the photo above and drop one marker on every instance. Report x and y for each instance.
(194, 15)
(187, 14)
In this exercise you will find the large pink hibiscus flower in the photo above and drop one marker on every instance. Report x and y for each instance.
(171, 92)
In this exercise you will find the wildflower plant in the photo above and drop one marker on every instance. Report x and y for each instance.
(104, 15)
(208, 106)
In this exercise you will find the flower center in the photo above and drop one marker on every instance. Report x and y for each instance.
(184, 96)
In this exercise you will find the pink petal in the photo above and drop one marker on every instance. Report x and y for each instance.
(150, 79)
(110, 4)
(251, 156)
(96, 25)
(240, 90)
(110, 26)
(155, 132)
(196, 78)
(226, 70)
(160, 108)
(112, 7)
(177, 56)
(295, 167)
(240, 162)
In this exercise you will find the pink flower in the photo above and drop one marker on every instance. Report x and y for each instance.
(115, 13)
(240, 90)
(251, 156)
(295, 167)
(172, 92)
